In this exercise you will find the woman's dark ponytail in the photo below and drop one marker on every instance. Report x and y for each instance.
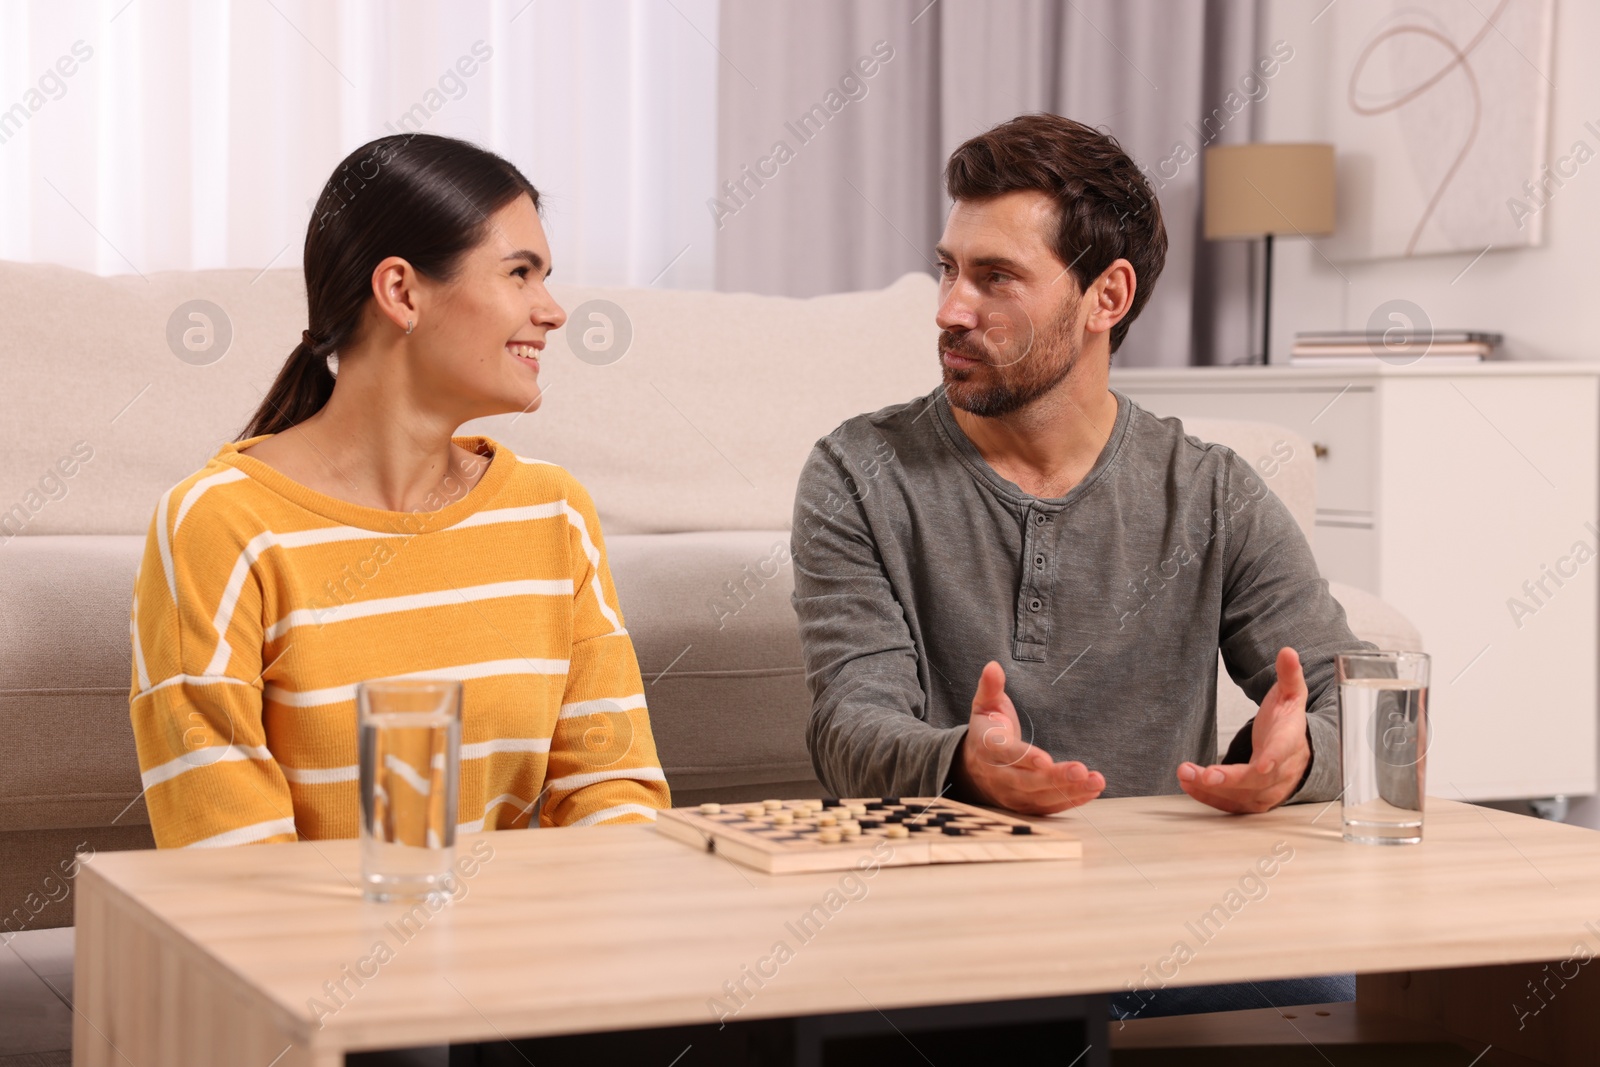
(424, 198)
(303, 385)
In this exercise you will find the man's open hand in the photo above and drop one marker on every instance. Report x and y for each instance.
(996, 766)
(1279, 751)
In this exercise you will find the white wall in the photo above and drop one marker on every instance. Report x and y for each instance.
(1541, 298)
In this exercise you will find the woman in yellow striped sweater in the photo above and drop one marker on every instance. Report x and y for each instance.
(348, 535)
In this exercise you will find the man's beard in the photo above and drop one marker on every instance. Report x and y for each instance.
(1009, 382)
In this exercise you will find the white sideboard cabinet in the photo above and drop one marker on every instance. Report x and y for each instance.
(1467, 496)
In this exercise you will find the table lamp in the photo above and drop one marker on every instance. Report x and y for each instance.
(1261, 190)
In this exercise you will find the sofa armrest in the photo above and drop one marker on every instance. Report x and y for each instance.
(1376, 620)
(1370, 618)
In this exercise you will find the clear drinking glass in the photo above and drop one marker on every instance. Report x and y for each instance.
(410, 738)
(1383, 731)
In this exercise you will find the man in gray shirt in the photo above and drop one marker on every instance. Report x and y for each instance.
(1014, 588)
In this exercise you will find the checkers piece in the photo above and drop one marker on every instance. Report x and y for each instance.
(1021, 829)
(772, 805)
(711, 809)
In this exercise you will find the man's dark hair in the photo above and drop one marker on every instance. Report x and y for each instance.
(1107, 210)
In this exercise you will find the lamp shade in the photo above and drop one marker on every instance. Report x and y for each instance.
(1257, 189)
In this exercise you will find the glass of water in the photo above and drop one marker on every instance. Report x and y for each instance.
(1383, 744)
(410, 738)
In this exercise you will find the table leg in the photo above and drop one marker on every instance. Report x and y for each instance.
(1548, 1012)
(935, 1027)
(144, 997)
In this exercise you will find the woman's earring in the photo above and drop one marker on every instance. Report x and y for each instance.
(409, 324)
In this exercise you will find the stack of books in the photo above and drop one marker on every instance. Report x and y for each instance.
(1321, 348)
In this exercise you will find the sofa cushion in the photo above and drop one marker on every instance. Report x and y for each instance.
(709, 615)
(719, 648)
(89, 372)
(65, 665)
(1282, 457)
(702, 423)
(705, 421)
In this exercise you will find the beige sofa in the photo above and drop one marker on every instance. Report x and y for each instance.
(690, 442)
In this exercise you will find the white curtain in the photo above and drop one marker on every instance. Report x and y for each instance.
(863, 201)
(828, 145)
(1104, 63)
(160, 135)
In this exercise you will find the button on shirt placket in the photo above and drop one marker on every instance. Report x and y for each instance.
(1033, 620)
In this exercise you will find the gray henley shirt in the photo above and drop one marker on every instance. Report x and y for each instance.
(915, 564)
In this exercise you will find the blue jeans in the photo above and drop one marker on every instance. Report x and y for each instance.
(1232, 996)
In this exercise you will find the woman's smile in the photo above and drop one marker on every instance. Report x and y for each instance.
(525, 352)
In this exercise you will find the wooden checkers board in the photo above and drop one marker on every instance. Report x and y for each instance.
(783, 836)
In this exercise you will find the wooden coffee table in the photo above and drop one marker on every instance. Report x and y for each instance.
(267, 955)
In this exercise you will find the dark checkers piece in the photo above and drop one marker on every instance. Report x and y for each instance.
(830, 802)
(870, 824)
(953, 831)
(889, 800)
(1021, 829)
(895, 816)
(914, 827)
(874, 805)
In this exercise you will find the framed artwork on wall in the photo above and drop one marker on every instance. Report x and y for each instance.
(1439, 111)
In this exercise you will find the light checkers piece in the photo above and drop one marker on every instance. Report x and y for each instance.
(811, 835)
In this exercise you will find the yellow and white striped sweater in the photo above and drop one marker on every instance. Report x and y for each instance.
(260, 604)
